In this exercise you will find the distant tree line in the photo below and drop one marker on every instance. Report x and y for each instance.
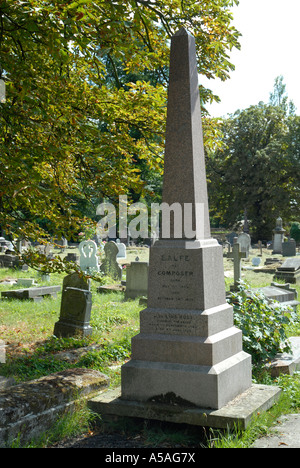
(257, 167)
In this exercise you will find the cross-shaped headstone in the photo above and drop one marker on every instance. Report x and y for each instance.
(237, 256)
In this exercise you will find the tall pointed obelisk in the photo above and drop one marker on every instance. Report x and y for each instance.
(187, 346)
(184, 168)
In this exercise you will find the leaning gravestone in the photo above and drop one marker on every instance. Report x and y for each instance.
(88, 261)
(110, 266)
(76, 306)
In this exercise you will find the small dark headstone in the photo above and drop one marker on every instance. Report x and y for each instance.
(76, 306)
(289, 248)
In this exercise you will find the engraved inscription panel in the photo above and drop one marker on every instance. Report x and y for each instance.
(173, 323)
(174, 279)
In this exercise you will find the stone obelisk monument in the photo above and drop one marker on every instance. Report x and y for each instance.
(187, 348)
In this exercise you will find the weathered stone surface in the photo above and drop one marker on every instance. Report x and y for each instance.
(28, 409)
(186, 274)
(237, 413)
(184, 162)
(34, 294)
(137, 280)
(110, 266)
(76, 306)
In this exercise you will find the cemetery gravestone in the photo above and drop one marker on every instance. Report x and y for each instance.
(110, 266)
(136, 280)
(76, 306)
(187, 346)
(122, 249)
(72, 257)
(282, 293)
(278, 235)
(289, 271)
(245, 242)
(27, 282)
(89, 262)
(230, 237)
(237, 256)
(32, 294)
(289, 248)
(256, 261)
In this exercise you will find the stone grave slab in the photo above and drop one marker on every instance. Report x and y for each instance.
(283, 294)
(289, 271)
(289, 248)
(32, 294)
(245, 242)
(30, 408)
(287, 363)
(236, 414)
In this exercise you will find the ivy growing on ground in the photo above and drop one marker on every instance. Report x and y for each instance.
(263, 323)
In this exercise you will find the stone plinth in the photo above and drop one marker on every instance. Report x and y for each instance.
(187, 343)
(236, 414)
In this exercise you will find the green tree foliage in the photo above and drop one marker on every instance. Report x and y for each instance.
(295, 231)
(257, 168)
(68, 132)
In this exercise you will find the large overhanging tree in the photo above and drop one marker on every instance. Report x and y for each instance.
(67, 132)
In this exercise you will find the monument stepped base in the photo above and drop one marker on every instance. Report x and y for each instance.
(237, 413)
(204, 386)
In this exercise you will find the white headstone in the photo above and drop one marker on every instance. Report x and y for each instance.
(245, 242)
(121, 248)
(256, 261)
(88, 261)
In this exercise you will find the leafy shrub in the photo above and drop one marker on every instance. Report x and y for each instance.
(295, 231)
(263, 324)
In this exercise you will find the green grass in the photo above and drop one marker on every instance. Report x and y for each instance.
(27, 328)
